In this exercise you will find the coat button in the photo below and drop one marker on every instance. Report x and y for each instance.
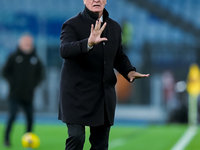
(78, 44)
(104, 62)
(104, 43)
(104, 81)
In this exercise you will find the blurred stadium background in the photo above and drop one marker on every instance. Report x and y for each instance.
(161, 37)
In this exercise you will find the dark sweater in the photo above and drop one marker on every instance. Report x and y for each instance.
(23, 72)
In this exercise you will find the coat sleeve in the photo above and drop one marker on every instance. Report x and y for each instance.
(70, 45)
(122, 64)
(7, 70)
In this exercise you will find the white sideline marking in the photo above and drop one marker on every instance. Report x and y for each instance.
(185, 139)
(116, 143)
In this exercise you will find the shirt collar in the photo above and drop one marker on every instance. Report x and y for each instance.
(101, 18)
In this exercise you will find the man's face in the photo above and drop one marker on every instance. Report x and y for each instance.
(26, 44)
(96, 6)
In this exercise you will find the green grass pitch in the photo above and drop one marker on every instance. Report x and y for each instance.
(153, 137)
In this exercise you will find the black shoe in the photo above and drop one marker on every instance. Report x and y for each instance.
(7, 143)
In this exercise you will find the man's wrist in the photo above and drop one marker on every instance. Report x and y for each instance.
(89, 47)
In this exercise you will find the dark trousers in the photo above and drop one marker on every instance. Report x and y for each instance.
(99, 137)
(13, 109)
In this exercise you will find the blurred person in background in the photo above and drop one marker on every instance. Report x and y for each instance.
(87, 88)
(127, 35)
(23, 71)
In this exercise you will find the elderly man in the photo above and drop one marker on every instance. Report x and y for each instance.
(23, 71)
(87, 88)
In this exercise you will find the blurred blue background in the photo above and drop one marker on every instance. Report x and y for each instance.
(163, 41)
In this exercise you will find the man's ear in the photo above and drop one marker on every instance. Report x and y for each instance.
(84, 1)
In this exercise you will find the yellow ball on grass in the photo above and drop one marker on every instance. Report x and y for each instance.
(30, 140)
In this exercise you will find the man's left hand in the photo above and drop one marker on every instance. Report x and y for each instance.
(132, 75)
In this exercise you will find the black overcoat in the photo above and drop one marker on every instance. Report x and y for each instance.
(87, 88)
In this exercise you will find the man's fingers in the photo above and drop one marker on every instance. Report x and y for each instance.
(145, 75)
(92, 28)
(99, 24)
(136, 75)
(103, 27)
(142, 76)
(104, 39)
(96, 32)
(132, 78)
(96, 25)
